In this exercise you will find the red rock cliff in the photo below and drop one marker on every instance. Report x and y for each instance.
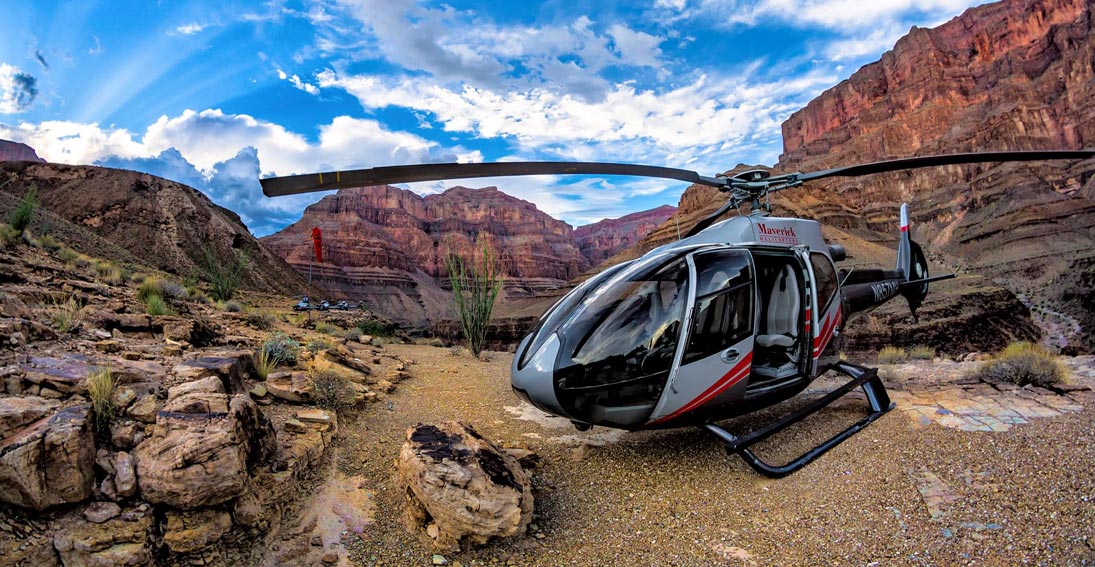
(16, 151)
(603, 239)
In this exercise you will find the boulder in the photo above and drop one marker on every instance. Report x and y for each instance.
(291, 386)
(209, 385)
(144, 409)
(192, 531)
(232, 368)
(194, 460)
(125, 474)
(198, 403)
(460, 482)
(50, 462)
(17, 412)
(121, 540)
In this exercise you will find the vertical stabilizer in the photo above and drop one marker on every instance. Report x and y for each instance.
(912, 263)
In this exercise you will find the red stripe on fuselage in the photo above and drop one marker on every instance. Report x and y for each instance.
(735, 375)
(826, 334)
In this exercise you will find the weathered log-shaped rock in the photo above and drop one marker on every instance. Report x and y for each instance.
(231, 368)
(50, 461)
(291, 386)
(203, 459)
(121, 540)
(459, 485)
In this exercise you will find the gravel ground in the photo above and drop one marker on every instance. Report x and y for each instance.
(1025, 496)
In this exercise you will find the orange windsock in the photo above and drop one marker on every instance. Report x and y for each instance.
(317, 243)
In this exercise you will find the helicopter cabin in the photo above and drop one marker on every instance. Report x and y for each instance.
(711, 320)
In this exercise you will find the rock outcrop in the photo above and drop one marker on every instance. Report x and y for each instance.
(459, 485)
(18, 151)
(606, 238)
(159, 222)
(50, 461)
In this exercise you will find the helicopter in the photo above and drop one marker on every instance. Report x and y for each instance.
(736, 316)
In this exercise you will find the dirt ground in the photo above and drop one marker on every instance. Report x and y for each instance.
(906, 491)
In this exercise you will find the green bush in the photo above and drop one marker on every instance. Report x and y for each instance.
(155, 305)
(317, 345)
(8, 236)
(891, 355)
(1024, 363)
(20, 217)
(281, 349)
(224, 277)
(376, 328)
(67, 255)
(48, 242)
(150, 287)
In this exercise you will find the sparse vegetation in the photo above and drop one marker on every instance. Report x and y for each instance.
(8, 236)
(281, 349)
(921, 352)
(264, 363)
(48, 242)
(375, 328)
(67, 255)
(230, 306)
(1023, 363)
(20, 217)
(155, 305)
(333, 390)
(224, 277)
(349, 334)
(891, 355)
(296, 319)
(67, 315)
(317, 345)
(100, 388)
(326, 328)
(148, 288)
(475, 286)
(261, 320)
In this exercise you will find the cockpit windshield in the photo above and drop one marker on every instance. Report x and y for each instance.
(620, 342)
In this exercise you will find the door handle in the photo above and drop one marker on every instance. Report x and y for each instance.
(730, 355)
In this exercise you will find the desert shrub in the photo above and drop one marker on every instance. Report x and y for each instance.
(264, 363)
(67, 315)
(475, 286)
(261, 320)
(8, 236)
(296, 319)
(327, 328)
(317, 345)
(138, 277)
(375, 328)
(198, 297)
(102, 267)
(230, 306)
(281, 349)
(921, 352)
(20, 217)
(224, 277)
(155, 305)
(48, 242)
(349, 334)
(333, 390)
(150, 287)
(891, 355)
(67, 255)
(173, 290)
(1023, 363)
(100, 388)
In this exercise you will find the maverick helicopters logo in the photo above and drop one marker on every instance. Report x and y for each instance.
(778, 235)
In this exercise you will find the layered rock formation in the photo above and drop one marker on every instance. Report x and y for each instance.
(1015, 75)
(606, 238)
(155, 221)
(388, 245)
(17, 151)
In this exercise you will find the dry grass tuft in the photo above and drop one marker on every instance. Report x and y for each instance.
(1024, 363)
(891, 355)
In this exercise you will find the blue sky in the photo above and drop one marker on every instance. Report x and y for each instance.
(217, 94)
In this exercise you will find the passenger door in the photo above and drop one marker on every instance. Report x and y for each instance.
(714, 358)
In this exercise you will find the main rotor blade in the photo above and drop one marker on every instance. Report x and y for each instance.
(934, 161)
(710, 219)
(294, 184)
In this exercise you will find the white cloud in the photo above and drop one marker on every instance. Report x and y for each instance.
(72, 142)
(837, 15)
(190, 29)
(17, 89)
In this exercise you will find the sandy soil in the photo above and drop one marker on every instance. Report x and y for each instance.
(906, 491)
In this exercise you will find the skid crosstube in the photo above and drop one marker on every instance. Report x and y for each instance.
(877, 397)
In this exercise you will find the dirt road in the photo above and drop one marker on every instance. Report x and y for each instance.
(907, 491)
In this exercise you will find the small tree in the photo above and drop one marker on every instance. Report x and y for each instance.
(475, 286)
(224, 277)
(21, 216)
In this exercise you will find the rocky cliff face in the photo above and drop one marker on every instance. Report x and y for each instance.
(387, 245)
(16, 151)
(606, 238)
(1012, 75)
(160, 223)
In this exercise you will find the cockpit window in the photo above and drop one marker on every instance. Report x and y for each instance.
(724, 303)
(629, 327)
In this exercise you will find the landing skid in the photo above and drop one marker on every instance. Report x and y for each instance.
(877, 397)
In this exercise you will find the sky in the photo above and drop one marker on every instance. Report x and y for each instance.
(219, 94)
